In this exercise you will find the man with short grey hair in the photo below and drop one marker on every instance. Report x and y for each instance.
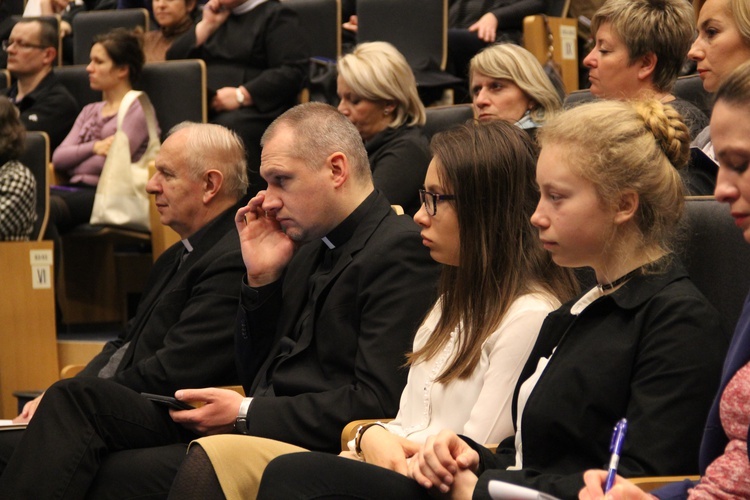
(181, 336)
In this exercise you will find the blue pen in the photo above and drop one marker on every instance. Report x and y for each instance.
(615, 448)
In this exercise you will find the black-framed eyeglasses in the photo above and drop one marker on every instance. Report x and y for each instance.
(21, 45)
(430, 200)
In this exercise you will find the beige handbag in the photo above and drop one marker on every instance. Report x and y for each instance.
(121, 198)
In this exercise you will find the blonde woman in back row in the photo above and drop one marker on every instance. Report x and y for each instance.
(508, 83)
(378, 94)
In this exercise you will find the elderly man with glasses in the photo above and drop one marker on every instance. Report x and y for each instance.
(45, 104)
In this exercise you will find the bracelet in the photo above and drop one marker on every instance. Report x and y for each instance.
(240, 424)
(358, 437)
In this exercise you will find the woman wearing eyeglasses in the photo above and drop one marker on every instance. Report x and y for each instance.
(496, 288)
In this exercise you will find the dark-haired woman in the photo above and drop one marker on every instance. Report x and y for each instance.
(116, 63)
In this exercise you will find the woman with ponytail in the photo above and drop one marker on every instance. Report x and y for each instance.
(642, 344)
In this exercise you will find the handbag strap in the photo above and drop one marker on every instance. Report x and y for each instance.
(148, 112)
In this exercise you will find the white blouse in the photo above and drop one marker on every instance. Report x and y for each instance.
(480, 405)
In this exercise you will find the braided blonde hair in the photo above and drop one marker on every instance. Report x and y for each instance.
(636, 146)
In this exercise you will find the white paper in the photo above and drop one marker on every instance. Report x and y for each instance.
(500, 490)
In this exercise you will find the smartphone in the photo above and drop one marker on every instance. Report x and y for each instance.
(168, 401)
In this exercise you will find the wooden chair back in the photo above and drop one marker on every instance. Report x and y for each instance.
(36, 157)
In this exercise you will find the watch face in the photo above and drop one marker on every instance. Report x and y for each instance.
(240, 96)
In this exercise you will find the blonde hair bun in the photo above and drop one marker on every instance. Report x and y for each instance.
(668, 128)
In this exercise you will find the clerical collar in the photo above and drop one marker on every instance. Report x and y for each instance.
(194, 238)
(246, 7)
(188, 246)
(344, 231)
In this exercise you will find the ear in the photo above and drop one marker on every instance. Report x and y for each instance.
(648, 66)
(338, 164)
(50, 56)
(212, 182)
(627, 207)
(122, 71)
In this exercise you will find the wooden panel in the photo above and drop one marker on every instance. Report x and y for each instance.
(564, 45)
(28, 350)
(77, 352)
(96, 277)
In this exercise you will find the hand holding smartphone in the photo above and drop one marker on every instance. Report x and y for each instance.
(168, 401)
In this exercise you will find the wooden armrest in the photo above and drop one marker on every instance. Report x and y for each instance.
(236, 388)
(56, 178)
(652, 482)
(69, 371)
(351, 429)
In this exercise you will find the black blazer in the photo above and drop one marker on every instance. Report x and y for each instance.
(348, 361)
(651, 352)
(399, 158)
(182, 333)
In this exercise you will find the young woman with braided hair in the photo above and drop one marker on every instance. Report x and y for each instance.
(723, 459)
(643, 344)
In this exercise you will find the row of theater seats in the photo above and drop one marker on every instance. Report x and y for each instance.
(419, 28)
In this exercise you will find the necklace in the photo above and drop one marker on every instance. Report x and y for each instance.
(619, 281)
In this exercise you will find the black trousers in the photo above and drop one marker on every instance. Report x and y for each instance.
(83, 421)
(321, 475)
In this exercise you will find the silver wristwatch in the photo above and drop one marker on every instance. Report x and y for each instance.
(240, 424)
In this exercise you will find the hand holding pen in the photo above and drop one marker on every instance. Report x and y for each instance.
(615, 448)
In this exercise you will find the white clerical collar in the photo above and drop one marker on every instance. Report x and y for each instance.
(328, 243)
(187, 244)
(246, 7)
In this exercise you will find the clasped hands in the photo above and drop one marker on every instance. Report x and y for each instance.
(445, 465)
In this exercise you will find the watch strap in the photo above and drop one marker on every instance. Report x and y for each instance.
(240, 424)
